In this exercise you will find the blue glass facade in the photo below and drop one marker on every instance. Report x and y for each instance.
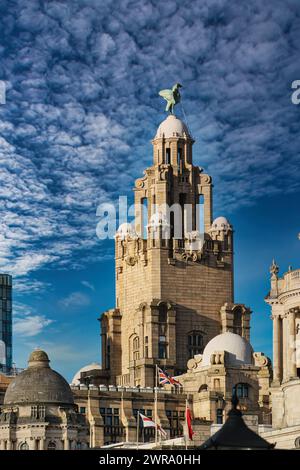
(5, 320)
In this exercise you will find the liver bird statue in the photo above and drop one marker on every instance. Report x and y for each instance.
(172, 97)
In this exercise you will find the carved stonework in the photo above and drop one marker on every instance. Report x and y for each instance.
(260, 359)
(217, 358)
(191, 256)
(140, 183)
(131, 260)
(195, 362)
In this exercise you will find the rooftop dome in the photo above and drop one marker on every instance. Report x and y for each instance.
(239, 350)
(38, 384)
(92, 366)
(172, 127)
(221, 223)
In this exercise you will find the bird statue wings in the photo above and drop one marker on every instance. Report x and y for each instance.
(172, 97)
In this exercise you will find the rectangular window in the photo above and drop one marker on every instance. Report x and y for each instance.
(168, 156)
(162, 351)
(219, 416)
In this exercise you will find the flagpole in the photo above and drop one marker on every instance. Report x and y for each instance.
(186, 425)
(137, 429)
(155, 404)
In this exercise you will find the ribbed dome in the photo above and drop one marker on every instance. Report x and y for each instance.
(220, 223)
(172, 127)
(239, 350)
(38, 384)
(93, 366)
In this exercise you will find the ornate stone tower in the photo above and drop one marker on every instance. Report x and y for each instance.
(174, 269)
(284, 299)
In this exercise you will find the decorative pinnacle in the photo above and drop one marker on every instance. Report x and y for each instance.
(274, 268)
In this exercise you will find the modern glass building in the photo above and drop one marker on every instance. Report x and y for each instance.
(5, 321)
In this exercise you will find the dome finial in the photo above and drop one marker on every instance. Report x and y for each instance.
(38, 358)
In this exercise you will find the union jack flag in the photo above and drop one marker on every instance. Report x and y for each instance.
(165, 378)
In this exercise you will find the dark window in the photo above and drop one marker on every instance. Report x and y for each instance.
(237, 321)
(219, 416)
(113, 428)
(108, 354)
(82, 410)
(168, 156)
(162, 351)
(179, 160)
(162, 318)
(163, 312)
(175, 422)
(195, 343)
(241, 390)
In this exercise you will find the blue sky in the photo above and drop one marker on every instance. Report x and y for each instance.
(82, 79)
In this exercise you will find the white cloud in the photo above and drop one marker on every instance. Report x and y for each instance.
(75, 300)
(77, 133)
(88, 284)
(30, 325)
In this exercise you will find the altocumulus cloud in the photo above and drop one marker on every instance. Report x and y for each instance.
(82, 105)
(75, 300)
(27, 323)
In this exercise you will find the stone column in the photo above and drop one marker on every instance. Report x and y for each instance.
(277, 349)
(285, 349)
(292, 344)
(42, 445)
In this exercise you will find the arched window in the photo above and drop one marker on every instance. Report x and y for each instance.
(108, 353)
(168, 156)
(200, 214)
(241, 390)
(237, 321)
(52, 445)
(144, 202)
(219, 416)
(203, 388)
(195, 343)
(163, 313)
(162, 320)
(24, 446)
(136, 348)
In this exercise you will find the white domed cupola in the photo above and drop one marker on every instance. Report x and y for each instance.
(237, 349)
(172, 127)
(220, 224)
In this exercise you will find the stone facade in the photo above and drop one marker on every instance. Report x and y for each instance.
(212, 387)
(228, 364)
(174, 292)
(284, 299)
(39, 411)
(112, 413)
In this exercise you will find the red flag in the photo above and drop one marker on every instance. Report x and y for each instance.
(188, 418)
